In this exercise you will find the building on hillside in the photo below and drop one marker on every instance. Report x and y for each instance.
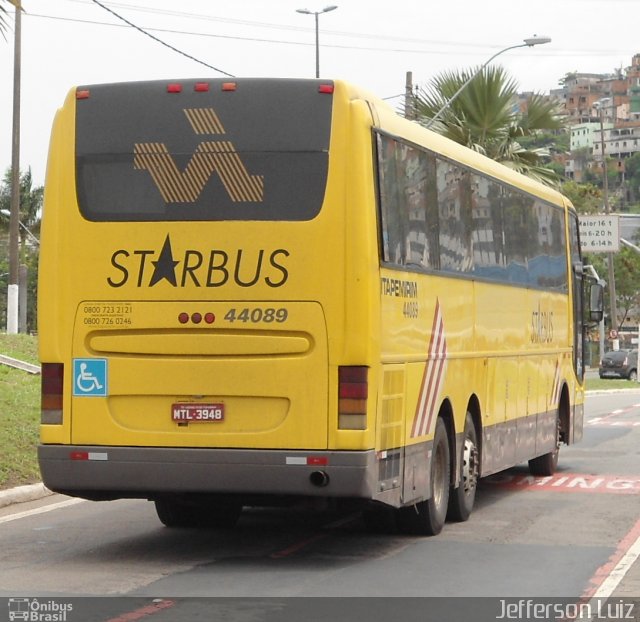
(602, 110)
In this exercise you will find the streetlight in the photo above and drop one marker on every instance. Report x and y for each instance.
(528, 43)
(600, 106)
(326, 9)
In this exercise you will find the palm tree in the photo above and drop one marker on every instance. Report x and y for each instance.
(4, 15)
(30, 201)
(30, 215)
(484, 117)
(3, 19)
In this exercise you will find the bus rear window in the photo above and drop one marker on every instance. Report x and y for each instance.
(199, 150)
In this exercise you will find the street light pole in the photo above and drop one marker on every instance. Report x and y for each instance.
(528, 43)
(315, 14)
(600, 106)
(14, 230)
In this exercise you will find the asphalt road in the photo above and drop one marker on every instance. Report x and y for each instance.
(573, 536)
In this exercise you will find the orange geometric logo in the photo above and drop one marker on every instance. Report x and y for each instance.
(185, 186)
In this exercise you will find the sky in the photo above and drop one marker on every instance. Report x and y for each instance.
(372, 43)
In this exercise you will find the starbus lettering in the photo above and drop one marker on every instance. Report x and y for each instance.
(196, 268)
(541, 326)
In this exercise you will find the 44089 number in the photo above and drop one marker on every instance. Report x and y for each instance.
(257, 315)
(410, 310)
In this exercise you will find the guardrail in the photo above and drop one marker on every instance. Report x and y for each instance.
(16, 364)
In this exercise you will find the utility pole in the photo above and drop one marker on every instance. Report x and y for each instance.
(409, 104)
(605, 196)
(14, 221)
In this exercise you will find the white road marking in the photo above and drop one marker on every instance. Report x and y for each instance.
(40, 510)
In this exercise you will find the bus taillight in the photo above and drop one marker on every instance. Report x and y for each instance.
(52, 382)
(353, 390)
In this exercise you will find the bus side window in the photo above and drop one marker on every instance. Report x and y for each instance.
(408, 204)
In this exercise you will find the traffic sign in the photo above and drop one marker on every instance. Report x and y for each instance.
(600, 234)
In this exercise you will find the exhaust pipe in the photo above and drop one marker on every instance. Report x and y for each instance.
(319, 479)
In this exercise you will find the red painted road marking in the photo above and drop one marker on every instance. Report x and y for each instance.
(142, 612)
(294, 548)
(608, 419)
(606, 578)
(301, 544)
(572, 482)
(605, 422)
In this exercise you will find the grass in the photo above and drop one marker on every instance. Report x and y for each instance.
(600, 384)
(20, 411)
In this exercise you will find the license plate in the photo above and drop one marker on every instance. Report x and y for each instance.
(213, 413)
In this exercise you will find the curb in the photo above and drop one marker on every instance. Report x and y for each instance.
(22, 494)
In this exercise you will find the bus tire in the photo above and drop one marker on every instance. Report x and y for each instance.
(462, 498)
(220, 513)
(428, 517)
(174, 514)
(547, 464)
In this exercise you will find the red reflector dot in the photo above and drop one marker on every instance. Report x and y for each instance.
(317, 460)
(209, 318)
(83, 94)
(174, 88)
(183, 318)
(196, 318)
(79, 455)
(201, 87)
(229, 86)
(325, 88)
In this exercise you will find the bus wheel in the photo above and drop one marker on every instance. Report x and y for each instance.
(462, 498)
(212, 513)
(175, 514)
(428, 517)
(547, 463)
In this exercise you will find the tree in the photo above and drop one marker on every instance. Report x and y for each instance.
(484, 118)
(586, 198)
(626, 265)
(3, 19)
(30, 214)
(4, 22)
(632, 172)
(627, 270)
(30, 200)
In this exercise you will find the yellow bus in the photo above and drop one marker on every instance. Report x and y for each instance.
(264, 290)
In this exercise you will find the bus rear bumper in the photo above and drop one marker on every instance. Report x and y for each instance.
(96, 472)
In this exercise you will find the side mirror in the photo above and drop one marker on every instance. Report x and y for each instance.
(596, 302)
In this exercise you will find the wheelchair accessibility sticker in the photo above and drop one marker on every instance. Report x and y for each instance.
(90, 377)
